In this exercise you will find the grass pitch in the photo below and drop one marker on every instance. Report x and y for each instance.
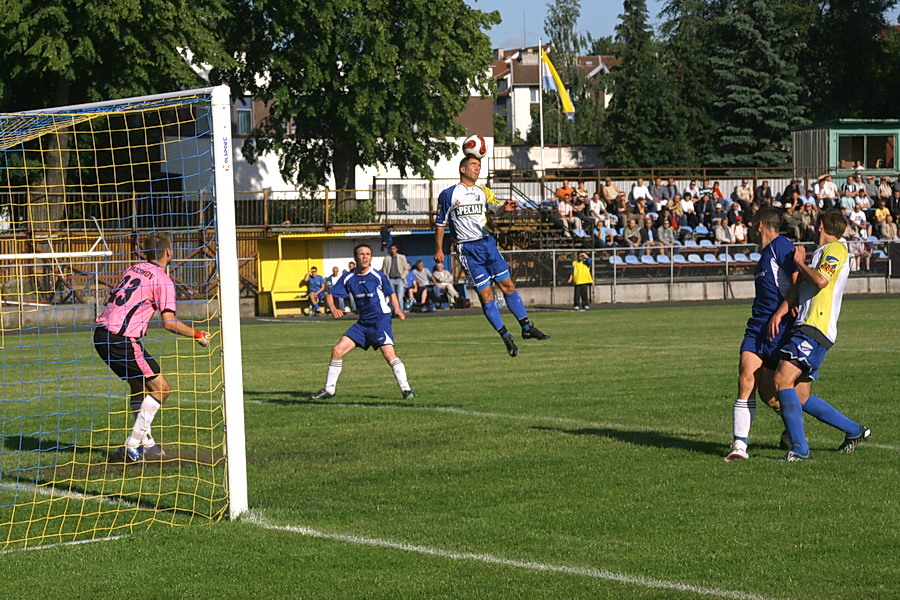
(587, 467)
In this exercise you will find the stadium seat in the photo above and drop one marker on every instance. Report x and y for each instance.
(690, 244)
(687, 229)
(701, 230)
(741, 257)
(616, 261)
(632, 260)
(694, 258)
(872, 238)
(662, 259)
(679, 259)
(705, 243)
(710, 258)
(725, 258)
(647, 260)
(879, 254)
(755, 256)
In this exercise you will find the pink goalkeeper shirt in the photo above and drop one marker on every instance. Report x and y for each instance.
(144, 289)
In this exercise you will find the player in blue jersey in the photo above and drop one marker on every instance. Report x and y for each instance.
(775, 273)
(462, 208)
(375, 302)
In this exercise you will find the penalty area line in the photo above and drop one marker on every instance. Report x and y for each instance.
(647, 582)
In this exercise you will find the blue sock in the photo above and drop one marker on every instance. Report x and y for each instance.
(516, 305)
(792, 415)
(830, 416)
(493, 315)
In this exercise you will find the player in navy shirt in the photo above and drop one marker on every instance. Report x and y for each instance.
(775, 273)
(375, 302)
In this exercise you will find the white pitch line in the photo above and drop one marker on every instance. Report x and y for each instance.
(646, 582)
(74, 543)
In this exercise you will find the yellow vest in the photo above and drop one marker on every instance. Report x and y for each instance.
(581, 273)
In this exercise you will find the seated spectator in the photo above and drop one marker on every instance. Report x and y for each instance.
(860, 255)
(739, 230)
(423, 281)
(722, 232)
(809, 198)
(871, 187)
(718, 196)
(894, 204)
(604, 236)
(788, 194)
(884, 188)
(706, 188)
(330, 281)
(744, 194)
(718, 213)
(888, 229)
(826, 191)
(792, 222)
(570, 223)
(656, 194)
(666, 235)
(692, 191)
(763, 194)
(443, 284)
(668, 192)
(734, 211)
(565, 191)
(809, 215)
(864, 201)
(412, 288)
(849, 193)
(315, 290)
(640, 193)
(690, 215)
(859, 222)
(581, 192)
(881, 212)
(580, 210)
(704, 208)
(631, 235)
(620, 207)
(648, 235)
(597, 207)
(611, 193)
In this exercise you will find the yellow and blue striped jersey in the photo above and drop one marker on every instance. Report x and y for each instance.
(464, 211)
(820, 308)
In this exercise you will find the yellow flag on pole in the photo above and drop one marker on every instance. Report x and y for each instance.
(552, 81)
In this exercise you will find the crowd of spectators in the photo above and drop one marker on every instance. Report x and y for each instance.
(658, 213)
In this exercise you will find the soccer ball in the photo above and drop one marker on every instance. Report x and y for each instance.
(474, 145)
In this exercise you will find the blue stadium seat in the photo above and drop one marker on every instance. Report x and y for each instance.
(616, 261)
(872, 238)
(741, 257)
(663, 259)
(725, 258)
(647, 260)
(632, 260)
(705, 243)
(710, 258)
(694, 258)
(687, 229)
(755, 256)
(690, 244)
(701, 230)
(879, 254)
(679, 259)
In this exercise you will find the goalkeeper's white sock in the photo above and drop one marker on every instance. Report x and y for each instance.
(143, 421)
(744, 413)
(400, 373)
(334, 371)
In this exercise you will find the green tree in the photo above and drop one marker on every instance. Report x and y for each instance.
(845, 60)
(356, 82)
(642, 127)
(757, 99)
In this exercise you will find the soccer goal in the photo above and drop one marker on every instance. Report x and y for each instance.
(80, 188)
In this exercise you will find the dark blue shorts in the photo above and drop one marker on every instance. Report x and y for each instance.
(756, 339)
(483, 262)
(372, 336)
(805, 352)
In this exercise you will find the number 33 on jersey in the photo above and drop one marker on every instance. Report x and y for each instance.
(144, 289)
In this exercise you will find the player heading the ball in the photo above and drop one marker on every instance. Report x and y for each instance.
(462, 208)
(143, 289)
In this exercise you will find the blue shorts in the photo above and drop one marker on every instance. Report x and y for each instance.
(805, 352)
(483, 262)
(372, 336)
(756, 339)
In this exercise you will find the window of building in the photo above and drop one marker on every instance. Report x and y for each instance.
(866, 151)
(243, 109)
(535, 95)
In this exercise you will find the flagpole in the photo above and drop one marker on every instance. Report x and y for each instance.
(541, 100)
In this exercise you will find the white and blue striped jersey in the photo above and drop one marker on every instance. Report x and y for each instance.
(773, 276)
(372, 292)
(463, 210)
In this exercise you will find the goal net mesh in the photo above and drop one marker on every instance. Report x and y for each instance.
(79, 189)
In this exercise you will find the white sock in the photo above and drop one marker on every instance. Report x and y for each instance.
(334, 371)
(744, 413)
(400, 374)
(142, 421)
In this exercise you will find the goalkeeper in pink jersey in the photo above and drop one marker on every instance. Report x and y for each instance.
(144, 289)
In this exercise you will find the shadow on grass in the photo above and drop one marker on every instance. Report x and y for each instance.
(295, 398)
(29, 443)
(653, 439)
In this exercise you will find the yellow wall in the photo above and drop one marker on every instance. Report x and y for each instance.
(284, 260)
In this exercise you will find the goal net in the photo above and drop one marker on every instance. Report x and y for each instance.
(80, 188)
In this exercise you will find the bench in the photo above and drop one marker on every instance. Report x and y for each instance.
(280, 303)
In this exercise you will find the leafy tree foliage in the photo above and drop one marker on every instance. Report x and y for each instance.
(642, 127)
(357, 82)
(757, 99)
